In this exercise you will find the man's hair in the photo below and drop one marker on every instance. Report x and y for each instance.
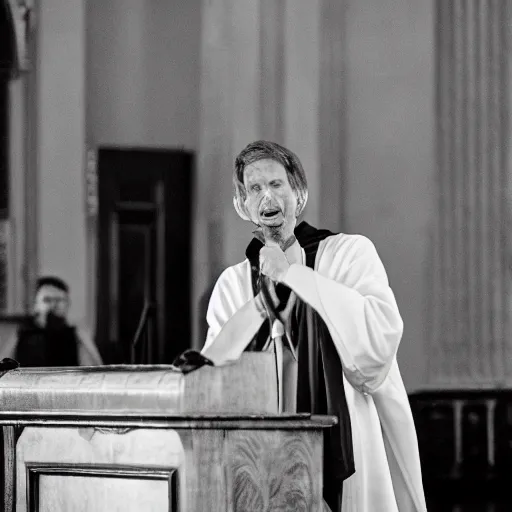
(54, 281)
(263, 150)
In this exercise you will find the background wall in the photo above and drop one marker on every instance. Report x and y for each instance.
(143, 72)
(391, 158)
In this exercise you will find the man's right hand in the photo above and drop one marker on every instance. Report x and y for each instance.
(275, 304)
(271, 287)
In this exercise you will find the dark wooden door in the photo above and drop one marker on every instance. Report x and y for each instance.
(144, 253)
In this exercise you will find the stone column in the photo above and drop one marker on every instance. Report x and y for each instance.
(60, 146)
(471, 274)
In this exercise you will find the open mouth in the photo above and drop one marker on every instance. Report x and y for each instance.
(270, 213)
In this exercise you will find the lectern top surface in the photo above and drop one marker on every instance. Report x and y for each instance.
(248, 386)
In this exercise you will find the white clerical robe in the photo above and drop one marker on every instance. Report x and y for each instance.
(349, 289)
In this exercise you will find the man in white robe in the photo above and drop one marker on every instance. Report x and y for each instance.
(349, 290)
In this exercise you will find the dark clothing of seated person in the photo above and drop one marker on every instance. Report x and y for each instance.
(49, 345)
(46, 338)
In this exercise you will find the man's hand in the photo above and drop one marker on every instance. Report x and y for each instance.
(266, 303)
(273, 262)
(265, 308)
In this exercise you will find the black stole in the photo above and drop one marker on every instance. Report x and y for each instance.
(320, 388)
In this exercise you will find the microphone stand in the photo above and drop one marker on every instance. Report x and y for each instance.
(144, 323)
(274, 311)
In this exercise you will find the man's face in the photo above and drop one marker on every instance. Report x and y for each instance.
(271, 202)
(51, 299)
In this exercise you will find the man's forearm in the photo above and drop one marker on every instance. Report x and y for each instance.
(237, 333)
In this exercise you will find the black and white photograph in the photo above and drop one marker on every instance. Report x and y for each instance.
(256, 255)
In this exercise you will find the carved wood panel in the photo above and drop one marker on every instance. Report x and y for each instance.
(238, 467)
(63, 470)
(53, 487)
(203, 480)
(275, 471)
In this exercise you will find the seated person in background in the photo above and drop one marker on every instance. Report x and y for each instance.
(327, 296)
(46, 338)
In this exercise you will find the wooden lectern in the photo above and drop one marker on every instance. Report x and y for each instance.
(148, 438)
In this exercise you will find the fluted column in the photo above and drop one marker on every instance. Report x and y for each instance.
(59, 149)
(470, 342)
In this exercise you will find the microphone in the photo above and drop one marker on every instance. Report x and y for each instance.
(282, 292)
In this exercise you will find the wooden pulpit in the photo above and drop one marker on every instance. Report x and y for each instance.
(148, 438)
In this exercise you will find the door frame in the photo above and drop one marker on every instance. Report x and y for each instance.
(173, 317)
